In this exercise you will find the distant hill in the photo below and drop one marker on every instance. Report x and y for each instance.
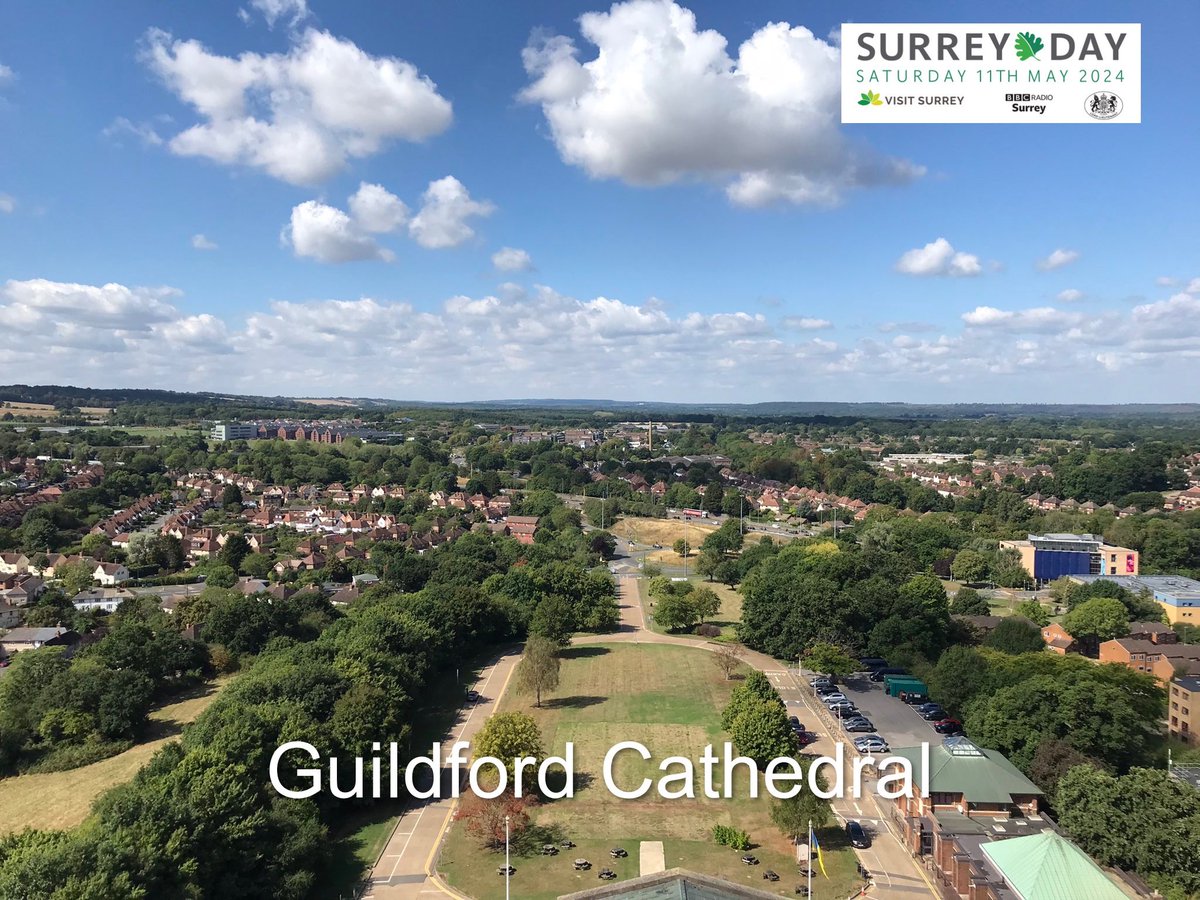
(212, 402)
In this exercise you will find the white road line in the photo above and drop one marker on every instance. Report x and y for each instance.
(404, 849)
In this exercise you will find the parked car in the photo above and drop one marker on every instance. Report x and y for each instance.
(933, 715)
(824, 687)
(879, 674)
(871, 743)
(929, 705)
(858, 723)
(794, 720)
(834, 697)
(804, 738)
(473, 696)
(858, 837)
(948, 726)
(842, 708)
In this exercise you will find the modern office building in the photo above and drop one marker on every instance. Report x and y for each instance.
(1049, 556)
(234, 431)
(1178, 595)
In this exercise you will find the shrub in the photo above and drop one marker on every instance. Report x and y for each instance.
(728, 836)
(707, 630)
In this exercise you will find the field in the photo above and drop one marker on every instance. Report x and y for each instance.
(64, 799)
(46, 411)
(669, 699)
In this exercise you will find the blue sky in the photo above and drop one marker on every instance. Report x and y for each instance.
(655, 271)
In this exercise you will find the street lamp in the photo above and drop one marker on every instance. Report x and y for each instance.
(507, 867)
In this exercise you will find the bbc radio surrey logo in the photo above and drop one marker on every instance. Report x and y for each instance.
(990, 73)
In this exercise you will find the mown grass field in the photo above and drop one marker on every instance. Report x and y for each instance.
(669, 699)
(64, 799)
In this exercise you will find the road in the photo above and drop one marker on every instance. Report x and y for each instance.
(405, 870)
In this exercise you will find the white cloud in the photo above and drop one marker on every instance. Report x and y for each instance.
(294, 11)
(143, 131)
(806, 323)
(1193, 286)
(328, 235)
(1070, 295)
(76, 333)
(938, 258)
(510, 259)
(446, 206)
(200, 242)
(6, 74)
(300, 115)
(7, 203)
(376, 209)
(1057, 260)
(1166, 281)
(662, 101)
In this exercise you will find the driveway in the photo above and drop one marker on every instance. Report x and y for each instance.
(896, 721)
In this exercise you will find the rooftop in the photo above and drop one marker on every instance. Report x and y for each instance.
(1047, 866)
(673, 884)
(1178, 586)
(959, 766)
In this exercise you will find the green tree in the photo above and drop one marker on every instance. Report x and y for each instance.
(969, 566)
(969, 602)
(553, 619)
(705, 601)
(682, 547)
(75, 577)
(761, 731)
(539, 667)
(829, 659)
(231, 498)
(1099, 619)
(508, 736)
(1034, 612)
(676, 611)
(1014, 635)
(793, 816)
(235, 549)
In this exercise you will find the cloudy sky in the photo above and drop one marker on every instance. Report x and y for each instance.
(558, 198)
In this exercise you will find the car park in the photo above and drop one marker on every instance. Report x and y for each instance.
(858, 837)
(933, 715)
(948, 726)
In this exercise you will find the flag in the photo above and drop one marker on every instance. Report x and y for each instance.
(816, 848)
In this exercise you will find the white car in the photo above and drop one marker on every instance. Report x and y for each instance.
(871, 743)
(835, 697)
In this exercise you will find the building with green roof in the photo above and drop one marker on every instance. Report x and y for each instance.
(1047, 866)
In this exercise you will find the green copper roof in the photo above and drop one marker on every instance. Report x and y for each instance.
(1047, 866)
(957, 766)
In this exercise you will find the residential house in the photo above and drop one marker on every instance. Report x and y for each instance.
(1160, 656)
(111, 574)
(1058, 640)
(1183, 717)
(20, 639)
(523, 528)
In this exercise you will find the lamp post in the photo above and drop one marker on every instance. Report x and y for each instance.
(507, 867)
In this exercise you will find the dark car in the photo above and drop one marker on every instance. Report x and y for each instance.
(930, 705)
(803, 738)
(879, 674)
(933, 715)
(858, 838)
(473, 696)
(858, 724)
(794, 720)
(948, 726)
(822, 689)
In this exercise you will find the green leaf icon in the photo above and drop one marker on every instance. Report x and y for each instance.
(870, 98)
(865, 100)
(875, 101)
(1028, 45)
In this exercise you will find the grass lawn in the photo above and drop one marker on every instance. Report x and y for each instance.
(64, 799)
(726, 619)
(669, 699)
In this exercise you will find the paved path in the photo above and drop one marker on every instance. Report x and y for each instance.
(403, 871)
(651, 858)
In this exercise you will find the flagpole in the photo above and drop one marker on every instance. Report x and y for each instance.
(507, 867)
(810, 858)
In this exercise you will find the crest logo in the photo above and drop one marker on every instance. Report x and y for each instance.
(1103, 105)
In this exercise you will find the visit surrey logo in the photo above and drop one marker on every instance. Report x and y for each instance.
(870, 98)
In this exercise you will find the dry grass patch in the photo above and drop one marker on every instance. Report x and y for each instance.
(64, 799)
